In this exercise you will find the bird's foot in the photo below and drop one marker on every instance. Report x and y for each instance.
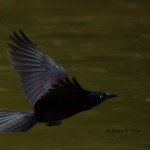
(54, 123)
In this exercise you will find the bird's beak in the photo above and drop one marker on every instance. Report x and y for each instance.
(110, 95)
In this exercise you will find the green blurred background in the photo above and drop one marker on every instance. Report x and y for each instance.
(106, 45)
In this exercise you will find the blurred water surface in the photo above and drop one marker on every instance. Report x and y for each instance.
(106, 45)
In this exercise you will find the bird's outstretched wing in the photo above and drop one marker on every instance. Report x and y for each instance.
(37, 71)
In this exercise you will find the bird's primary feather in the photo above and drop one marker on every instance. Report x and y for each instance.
(37, 71)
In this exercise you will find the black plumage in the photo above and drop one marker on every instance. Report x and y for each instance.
(46, 84)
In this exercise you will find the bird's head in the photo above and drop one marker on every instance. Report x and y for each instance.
(97, 97)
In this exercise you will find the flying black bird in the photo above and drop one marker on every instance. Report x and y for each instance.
(46, 84)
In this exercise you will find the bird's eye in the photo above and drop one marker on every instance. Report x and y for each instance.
(101, 96)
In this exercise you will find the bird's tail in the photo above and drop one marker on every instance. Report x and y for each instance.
(16, 121)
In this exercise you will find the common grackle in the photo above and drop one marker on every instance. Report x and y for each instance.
(46, 84)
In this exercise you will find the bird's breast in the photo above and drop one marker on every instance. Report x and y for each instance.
(58, 107)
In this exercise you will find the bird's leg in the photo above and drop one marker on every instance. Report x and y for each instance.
(54, 123)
